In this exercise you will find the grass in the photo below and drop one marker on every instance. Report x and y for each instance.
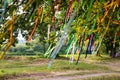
(21, 65)
(65, 65)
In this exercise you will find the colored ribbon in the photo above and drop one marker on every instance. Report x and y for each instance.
(35, 25)
(60, 42)
(90, 44)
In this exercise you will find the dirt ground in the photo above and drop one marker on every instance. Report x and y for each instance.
(114, 69)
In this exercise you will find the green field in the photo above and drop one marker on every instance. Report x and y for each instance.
(14, 66)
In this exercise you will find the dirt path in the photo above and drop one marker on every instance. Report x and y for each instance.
(63, 76)
(77, 77)
(114, 67)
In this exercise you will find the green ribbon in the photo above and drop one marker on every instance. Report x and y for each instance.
(60, 42)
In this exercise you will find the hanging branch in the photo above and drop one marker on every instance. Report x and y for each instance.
(35, 25)
(7, 23)
(81, 48)
(11, 23)
(69, 11)
(90, 44)
(102, 36)
(83, 35)
(60, 42)
(102, 21)
(10, 42)
(3, 11)
(89, 10)
(73, 49)
(71, 43)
